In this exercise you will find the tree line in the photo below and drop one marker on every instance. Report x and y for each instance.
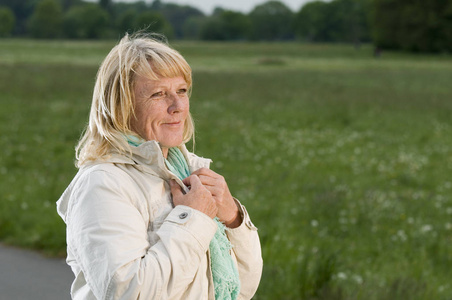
(395, 24)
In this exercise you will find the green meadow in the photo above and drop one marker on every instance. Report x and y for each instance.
(343, 160)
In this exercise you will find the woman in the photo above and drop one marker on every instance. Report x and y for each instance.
(146, 219)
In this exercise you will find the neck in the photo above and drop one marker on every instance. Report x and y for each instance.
(165, 152)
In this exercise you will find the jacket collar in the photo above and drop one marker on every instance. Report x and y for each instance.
(150, 153)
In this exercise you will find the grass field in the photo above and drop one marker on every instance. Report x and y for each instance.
(344, 161)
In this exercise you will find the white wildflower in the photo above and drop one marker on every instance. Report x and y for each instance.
(426, 228)
(358, 279)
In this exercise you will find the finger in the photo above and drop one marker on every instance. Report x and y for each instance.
(215, 191)
(206, 172)
(187, 180)
(175, 188)
(192, 181)
(207, 180)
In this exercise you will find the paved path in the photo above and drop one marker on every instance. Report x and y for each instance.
(27, 275)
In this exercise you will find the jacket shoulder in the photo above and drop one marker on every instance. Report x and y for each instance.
(96, 179)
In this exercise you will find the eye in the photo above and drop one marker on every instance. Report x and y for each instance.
(157, 95)
(182, 91)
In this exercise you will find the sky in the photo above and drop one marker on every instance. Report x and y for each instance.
(244, 6)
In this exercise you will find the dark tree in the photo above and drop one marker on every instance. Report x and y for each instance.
(126, 22)
(22, 11)
(176, 15)
(157, 5)
(193, 27)
(106, 5)
(7, 21)
(66, 4)
(153, 21)
(226, 25)
(46, 20)
(421, 26)
(335, 21)
(87, 21)
(271, 21)
(311, 20)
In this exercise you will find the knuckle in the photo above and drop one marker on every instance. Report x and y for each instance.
(206, 195)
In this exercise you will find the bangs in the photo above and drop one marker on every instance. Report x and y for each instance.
(154, 64)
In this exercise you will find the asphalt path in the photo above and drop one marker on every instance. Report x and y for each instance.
(26, 275)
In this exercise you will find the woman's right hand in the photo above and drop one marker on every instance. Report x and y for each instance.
(198, 197)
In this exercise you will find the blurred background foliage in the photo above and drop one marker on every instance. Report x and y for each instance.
(419, 26)
(343, 160)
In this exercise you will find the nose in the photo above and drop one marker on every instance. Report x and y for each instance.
(176, 103)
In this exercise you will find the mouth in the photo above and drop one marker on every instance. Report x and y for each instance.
(173, 124)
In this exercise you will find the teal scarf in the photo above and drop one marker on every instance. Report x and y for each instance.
(225, 276)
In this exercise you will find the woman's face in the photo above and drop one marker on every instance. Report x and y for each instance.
(161, 109)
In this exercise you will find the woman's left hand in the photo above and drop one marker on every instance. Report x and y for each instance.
(228, 212)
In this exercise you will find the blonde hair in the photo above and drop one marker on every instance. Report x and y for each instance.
(112, 105)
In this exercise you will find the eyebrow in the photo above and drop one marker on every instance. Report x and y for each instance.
(150, 87)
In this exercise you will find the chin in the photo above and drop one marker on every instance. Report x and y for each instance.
(171, 144)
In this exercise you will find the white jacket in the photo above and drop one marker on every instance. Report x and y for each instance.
(125, 240)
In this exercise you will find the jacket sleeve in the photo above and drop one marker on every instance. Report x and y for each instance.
(108, 236)
(247, 249)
